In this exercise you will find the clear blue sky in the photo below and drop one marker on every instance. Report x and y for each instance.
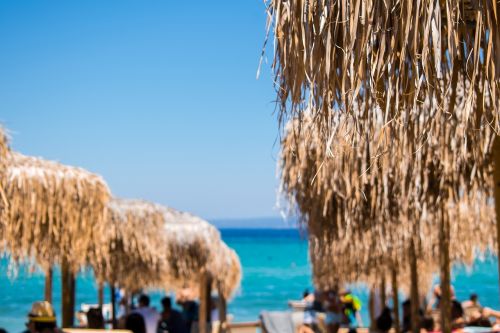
(159, 97)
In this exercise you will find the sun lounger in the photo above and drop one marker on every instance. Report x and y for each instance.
(277, 322)
(477, 329)
(248, 327)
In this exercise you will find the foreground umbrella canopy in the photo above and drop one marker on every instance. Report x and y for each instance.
(56, 212)
(391, 54)
(363, 212)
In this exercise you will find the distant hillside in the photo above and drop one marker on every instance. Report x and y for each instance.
(255, 223)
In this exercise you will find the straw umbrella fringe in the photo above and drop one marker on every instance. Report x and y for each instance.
(196, 248)
(344, 191)
(56, 212)
(390, 53)
(173, 249)
(132, 253)
(4, 152)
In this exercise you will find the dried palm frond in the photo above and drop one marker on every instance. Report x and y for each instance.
(147, 245)
(194, 247)
(334, 55)
(56, 212)
(132, 254)
(4, 152)
(364, 200)
(228, 275)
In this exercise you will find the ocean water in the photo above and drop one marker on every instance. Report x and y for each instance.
(275, 269)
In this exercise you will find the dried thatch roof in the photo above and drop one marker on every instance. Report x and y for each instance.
(4, 152)
(132, 254)
(151, 246)
(55, 211)
(199, 245)
(363, 205)
(391, 54)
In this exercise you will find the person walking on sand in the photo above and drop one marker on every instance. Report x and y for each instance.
(150, 315)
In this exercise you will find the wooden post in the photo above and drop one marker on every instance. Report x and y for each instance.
(203, 310)
(222, 312)
(395, 299)
(66, 288)
(383, 296)
(48, 285)
(496, 176)
(100, 294)
(73, 295)
(414, 295)
(444, 256)
(113, 306)
(208, 297)
(371, 309)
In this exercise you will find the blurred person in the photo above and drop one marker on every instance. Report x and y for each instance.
(150, 315)
(310, 320)
(352, 309)
(333, 309)
(171, 320)
(95, 319)
(42, 318)
(477, 315)
(135, 323)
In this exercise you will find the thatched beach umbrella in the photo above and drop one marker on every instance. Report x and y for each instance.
(152, 246)
(56, 213)
(334, 56)
(331, 54)
(375, 204)
(199, 256)
(133, 251)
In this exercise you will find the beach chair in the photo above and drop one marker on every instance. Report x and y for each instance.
(277, 322)
(246, 327)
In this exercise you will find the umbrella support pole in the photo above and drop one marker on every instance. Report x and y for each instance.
(414, 295)
(371, 309)
(100, 294)
(203, 318)
(113, 306)
(48, 285)
(66, 290)
(444, 256)
(222, 312)
(395, 299)
(496, 175)
(383, 289)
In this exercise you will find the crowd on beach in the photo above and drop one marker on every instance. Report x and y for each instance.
(329, 311)
(326, 311)
(140, 318)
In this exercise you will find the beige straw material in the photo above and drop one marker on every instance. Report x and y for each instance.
(55, 211)
(4, 152)
(195, 246)
(147, 245)
(132, 254)
(363, 204)
(391, 54)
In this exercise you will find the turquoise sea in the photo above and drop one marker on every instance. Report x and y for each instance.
(275, 269)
